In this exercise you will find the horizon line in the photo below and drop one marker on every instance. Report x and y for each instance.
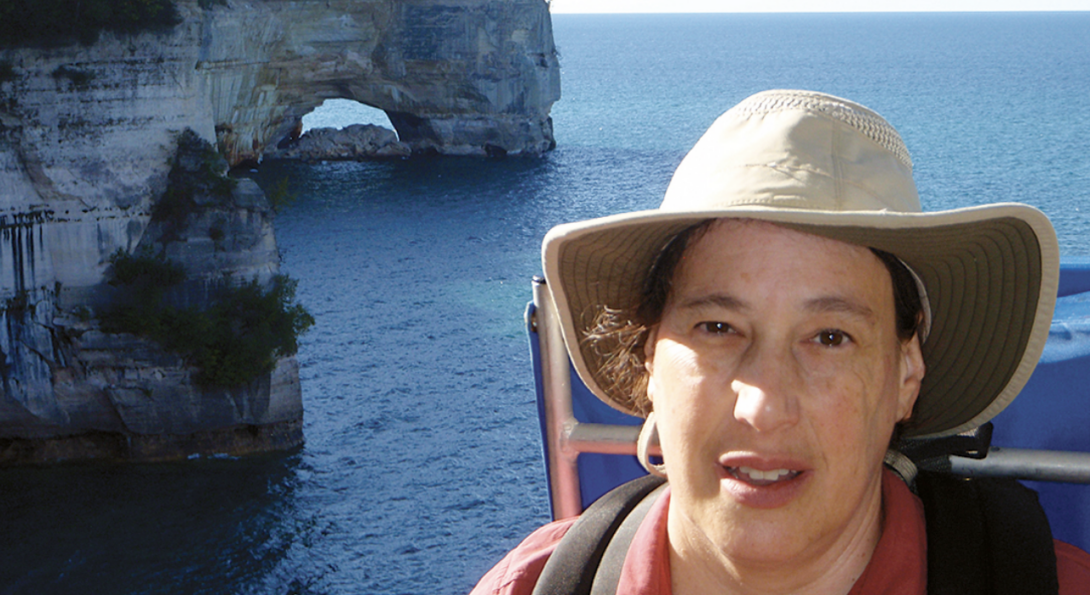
(904, 11)
(810, 6)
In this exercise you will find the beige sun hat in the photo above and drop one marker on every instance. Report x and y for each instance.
(831, 167)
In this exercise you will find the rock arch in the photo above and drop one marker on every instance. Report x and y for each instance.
(455, 78)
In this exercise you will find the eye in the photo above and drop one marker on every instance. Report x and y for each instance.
(715, 328)
(832, 338)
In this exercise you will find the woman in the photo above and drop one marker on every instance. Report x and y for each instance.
(786, 316)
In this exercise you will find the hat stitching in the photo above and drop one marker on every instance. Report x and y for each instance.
(869, 124)
(793, 201)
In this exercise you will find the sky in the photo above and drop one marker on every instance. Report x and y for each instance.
(595, 6)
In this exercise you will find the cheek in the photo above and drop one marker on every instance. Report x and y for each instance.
(854, 412)
(686, 403)
(674, 371)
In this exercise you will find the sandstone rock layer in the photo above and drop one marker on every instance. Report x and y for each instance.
(87, 137)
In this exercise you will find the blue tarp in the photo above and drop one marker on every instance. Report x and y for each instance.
(1053, 411)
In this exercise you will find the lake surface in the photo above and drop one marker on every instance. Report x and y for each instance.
(422, 464)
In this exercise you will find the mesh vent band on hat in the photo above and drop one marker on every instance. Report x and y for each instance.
(865, 121)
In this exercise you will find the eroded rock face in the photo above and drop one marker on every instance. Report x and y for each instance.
(87, 137)
(455, 76)
(72, 390)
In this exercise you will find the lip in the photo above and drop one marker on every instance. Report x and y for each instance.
(774, 495)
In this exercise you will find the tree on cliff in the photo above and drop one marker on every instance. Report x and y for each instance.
(51, 23)
(230, 342)
(237, 332)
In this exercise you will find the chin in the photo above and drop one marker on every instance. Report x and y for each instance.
(767, 542)
(754, 536)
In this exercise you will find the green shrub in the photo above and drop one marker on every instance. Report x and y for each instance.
(146, 278)
(147, 273)
(196, 169)
(145, 268)
(53, 23)
(233, 341)
(243, 333)
(174, 205)
(280, 195)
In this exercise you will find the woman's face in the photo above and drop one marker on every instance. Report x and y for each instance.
(777, 377)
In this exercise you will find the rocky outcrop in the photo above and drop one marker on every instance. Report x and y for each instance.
(355, 142)
(456, 77)
(72, 390)
(87, 140)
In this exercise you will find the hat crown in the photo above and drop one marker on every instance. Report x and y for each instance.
(796, 150)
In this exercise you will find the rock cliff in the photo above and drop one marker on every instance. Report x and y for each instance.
(88, 135)
(455, 77)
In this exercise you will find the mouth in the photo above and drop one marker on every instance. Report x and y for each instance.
(764, 481)
(759, 478)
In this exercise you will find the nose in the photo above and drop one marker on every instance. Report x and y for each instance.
(765, 397)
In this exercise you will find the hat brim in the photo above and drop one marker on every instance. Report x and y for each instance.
(991, 274)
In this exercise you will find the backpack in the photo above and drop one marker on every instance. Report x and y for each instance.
(985, 536)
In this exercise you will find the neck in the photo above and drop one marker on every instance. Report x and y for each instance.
(699, 566)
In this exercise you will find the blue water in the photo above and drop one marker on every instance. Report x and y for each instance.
(422, 462)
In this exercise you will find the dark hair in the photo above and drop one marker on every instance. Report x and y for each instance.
(618, 336)
(907, 305)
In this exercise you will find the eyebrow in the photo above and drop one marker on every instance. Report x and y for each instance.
(834, 304)
(718, 300)
(840, 305)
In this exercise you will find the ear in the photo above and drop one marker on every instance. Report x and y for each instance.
(649, 348)
(912, 372)
(649, 362)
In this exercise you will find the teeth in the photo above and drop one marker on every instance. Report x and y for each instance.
(758, 475)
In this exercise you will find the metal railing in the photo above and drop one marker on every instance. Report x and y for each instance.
(1021, 463)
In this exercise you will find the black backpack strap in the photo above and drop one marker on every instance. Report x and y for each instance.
(609, 569)
(985, 536)
(571, 568)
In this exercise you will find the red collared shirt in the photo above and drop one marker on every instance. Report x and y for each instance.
(898, 567)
